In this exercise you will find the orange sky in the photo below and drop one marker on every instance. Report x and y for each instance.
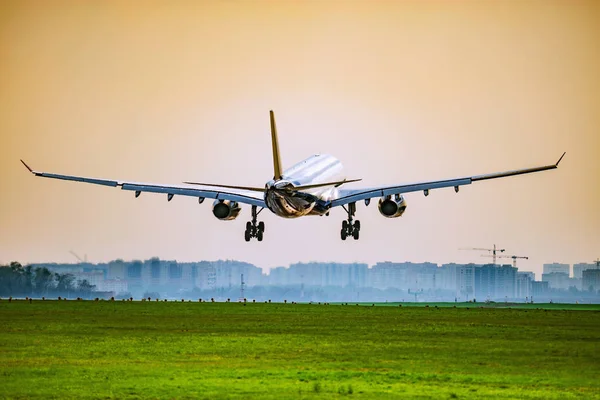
(398, 91)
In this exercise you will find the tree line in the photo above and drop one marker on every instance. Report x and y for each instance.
(17, 280)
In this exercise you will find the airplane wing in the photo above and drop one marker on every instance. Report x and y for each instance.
(254, 198)
(352, 195)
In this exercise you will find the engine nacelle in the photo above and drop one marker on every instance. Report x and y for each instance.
(392, 206)
(226, 210)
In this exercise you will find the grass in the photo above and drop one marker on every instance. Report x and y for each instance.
(508, 305)
(71, 349)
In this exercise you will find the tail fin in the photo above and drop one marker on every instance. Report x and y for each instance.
(277, 170)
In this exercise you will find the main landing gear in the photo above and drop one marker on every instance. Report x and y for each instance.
(254, 229)
(350, 227)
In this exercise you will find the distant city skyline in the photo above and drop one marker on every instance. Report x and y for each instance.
(314, 281)
(546, 267)
(398, 91)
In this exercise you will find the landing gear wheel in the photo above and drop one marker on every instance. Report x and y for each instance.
(254, 229)
(350, 227)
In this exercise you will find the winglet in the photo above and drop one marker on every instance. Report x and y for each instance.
(561, 157)
(27, 166)
(277, 169)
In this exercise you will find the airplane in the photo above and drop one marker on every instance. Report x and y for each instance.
(310, 187)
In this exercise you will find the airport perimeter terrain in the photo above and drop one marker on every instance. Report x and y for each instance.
(87, 349)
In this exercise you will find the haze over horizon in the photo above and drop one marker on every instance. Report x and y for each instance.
(398, 91)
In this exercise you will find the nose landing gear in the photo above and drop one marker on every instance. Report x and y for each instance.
(254, 229)
(350, 227)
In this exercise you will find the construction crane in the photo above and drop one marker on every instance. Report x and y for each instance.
(493, 251)
(81, 260)
(514, 258)
(415, 292)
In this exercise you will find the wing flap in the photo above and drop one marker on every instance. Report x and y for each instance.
(352, 195)
(511, 173)
(429, 185)
(193, 192)
(241, 196)
(103, 182)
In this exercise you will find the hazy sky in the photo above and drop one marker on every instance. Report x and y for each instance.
(399, 91)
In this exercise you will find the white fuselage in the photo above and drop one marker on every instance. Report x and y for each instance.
(282, 200)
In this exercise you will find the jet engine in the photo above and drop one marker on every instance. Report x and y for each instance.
(226, 210)
(392, 207)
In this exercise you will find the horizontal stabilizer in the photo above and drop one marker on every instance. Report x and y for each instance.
(250, 188)
(316, 185)
(257, 189)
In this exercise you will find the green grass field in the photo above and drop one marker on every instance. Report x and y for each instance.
(71, 349)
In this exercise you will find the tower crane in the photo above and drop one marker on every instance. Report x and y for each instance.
(514, 258)
(415, 292)
(82, 260)
(493, 251)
